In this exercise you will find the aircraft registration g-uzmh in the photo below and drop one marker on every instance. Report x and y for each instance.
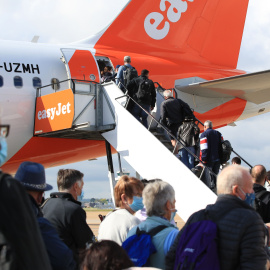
(190, 45)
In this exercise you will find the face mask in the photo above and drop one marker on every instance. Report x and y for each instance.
(80, 197)
(173, 214)
(137, 204)
(249, 199)
(3, 151)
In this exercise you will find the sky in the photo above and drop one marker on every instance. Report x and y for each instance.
(62, 21)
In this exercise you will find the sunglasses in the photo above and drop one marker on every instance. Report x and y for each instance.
(4, 130)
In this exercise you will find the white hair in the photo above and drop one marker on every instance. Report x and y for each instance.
(127, 59)
(167, 93)
(155, 196)
(229, 177)
(208, 123)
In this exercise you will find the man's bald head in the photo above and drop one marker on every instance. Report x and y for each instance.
(231, 177)
(258, 174)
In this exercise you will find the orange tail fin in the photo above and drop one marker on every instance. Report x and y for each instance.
(207, 29)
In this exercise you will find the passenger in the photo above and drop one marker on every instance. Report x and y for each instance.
(64, 211)
(159, 201)
(188, 133)
(240, 230)
(258, 174)
(171, 114)
(141, 214)
(32, 176)
(236, 160)
(21, 243)
(106, 255)
(122, 74)
(128, 197)
(211, 151)
(108, 76)
(143, 91)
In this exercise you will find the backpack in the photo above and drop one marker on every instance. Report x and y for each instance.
(261, 207)
(197, 246)
(144, 90)
(139, 246)
(186, 111)
(129, 74)
(226, 151)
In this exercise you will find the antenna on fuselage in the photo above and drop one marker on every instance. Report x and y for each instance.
(35, 39)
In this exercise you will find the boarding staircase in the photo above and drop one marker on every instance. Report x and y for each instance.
(99, 113)
(151, 158)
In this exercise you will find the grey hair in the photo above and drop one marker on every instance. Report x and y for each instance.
(127, 59)
(208, 123)
(155, 197)
(167, 93)
(229, 177)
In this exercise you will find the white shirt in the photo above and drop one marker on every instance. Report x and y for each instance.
(116, 225)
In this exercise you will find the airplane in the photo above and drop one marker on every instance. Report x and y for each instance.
(188, 45)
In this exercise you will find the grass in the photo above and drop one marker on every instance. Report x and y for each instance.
(90, 209)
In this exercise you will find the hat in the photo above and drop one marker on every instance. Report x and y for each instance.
(118, 66)
(32, 176)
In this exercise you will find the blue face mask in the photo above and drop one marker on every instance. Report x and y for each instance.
(249, 199)
(137, 204)
(80, 197)
(3, 151)
(173, 214)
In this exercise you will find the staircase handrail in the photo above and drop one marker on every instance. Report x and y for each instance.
(168, 131)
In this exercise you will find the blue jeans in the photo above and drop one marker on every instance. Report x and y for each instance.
(140, 114)
(186, 157)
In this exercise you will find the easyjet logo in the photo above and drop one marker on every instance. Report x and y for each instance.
(52, 112)
(154, 20)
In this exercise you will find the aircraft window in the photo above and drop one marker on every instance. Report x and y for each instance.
(18, 82)
(55, 84)
(36, 82)
(1, 81)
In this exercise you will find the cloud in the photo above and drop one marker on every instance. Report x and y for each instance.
(56, 21)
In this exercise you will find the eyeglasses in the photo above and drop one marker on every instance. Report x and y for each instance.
(4, 130)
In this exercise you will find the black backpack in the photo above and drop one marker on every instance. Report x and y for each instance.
(144, 90)
(261, 207)
(129, 74)
(226, 151)
(186, 111)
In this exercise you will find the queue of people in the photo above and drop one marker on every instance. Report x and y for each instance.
(53, 234)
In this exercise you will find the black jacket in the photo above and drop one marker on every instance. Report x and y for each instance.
(19, 227)
(60, 255)
(188, 133)
(264, 195)
(133, 87)
(171, 112)
(241, 235)
(69, 219)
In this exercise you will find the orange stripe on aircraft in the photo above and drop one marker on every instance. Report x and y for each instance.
(53, 152)
(225, 113)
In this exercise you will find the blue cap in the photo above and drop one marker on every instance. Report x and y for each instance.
(118, 66)
(32, 176)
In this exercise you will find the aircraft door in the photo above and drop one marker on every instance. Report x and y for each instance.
(81, 65)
